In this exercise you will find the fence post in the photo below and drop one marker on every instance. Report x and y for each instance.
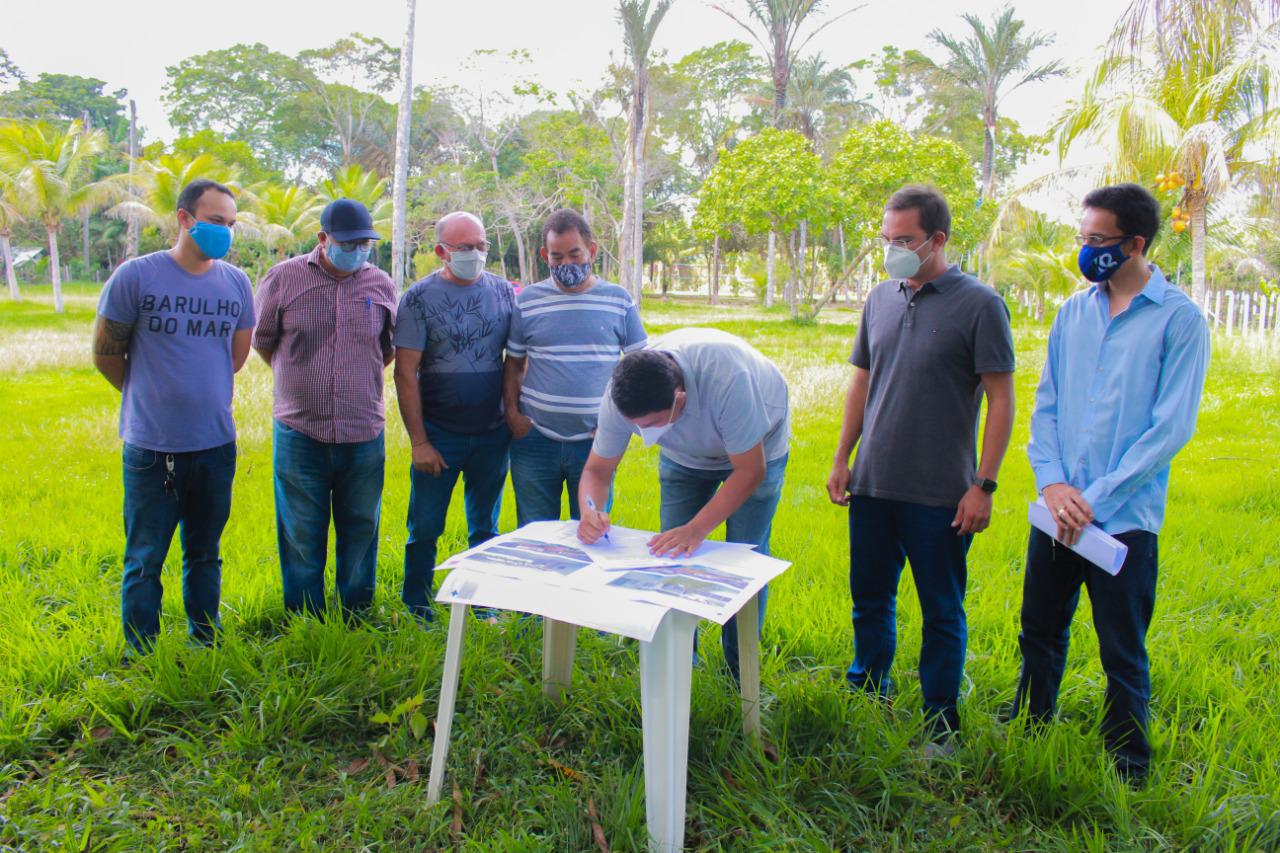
(1231, 311)
(1217, 308)
(1245, 304)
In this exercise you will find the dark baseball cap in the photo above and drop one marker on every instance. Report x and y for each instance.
(345, 219)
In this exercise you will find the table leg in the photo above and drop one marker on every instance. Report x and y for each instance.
(749, 665)
(458, 618)
(558, 642)
(666, 666)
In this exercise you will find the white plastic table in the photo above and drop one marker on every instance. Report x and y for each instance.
(666, 666)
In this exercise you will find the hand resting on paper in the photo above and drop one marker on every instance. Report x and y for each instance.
(1070, 509)
(680, 541)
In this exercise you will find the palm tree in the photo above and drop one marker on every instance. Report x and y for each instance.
(639, 24)
(1196, 122)
(816, 92)
(150, 194)
(1035, 252)
(282, 216)
(990, 62)
(355, 183)
(9, 216)
(775, 25)
(49, 169)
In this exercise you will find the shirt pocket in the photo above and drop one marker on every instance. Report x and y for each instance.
(364, 320)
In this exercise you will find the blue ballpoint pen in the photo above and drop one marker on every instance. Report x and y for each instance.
(591, 505)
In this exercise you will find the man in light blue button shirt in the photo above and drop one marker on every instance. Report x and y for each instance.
(1117, 400)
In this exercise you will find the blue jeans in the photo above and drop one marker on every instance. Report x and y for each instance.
(313, 480)
(1122, 609)
(164, 492)
(883, 534)
(541, 468)
(685, 491)
(481, 460)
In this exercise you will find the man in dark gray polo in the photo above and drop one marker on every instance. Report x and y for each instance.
(932, 340)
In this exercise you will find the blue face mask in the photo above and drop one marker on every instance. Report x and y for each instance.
(571, 275)
(347, 260)
(1099, 263)
(213, 240)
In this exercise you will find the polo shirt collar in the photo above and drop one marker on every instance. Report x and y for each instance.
(949, 278)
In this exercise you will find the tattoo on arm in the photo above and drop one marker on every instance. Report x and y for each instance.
(113, 338)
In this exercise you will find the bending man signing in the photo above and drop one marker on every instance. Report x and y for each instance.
(718, 409)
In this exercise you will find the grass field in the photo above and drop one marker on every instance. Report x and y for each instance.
(269, 742)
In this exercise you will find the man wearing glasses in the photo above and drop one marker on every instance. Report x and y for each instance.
(325, 321)
(1117, 400)
(932, 341)
(450, 333)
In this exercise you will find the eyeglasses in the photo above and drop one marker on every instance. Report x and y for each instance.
(353, 245)
(900, 242)
(482, 246)
(1096, 240)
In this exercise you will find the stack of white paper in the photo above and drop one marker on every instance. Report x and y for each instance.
(1098, 547)
(614, 585)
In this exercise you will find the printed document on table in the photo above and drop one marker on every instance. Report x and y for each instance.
(1095, 545)
(546, 561)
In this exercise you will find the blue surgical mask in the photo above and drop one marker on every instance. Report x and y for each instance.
(213, 240)
(347, 260)
(571, 275)
(1099, 263)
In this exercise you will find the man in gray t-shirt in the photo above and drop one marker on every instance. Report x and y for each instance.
(566, 335)
(932, 341)
(719, 411)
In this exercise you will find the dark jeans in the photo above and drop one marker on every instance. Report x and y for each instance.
(883, 534)
(314, 480)
(685, 491)
(1122, 609)
(164, 492)
(541, 468)
(481, 460)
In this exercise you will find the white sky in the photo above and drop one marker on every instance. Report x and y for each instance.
(571, 42)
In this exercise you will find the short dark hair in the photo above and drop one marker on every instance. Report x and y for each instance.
(564, 220)
(645, 382)
(1136, 209)
(192, 193)
(935, 215)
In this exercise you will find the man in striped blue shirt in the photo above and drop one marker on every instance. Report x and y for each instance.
(567, 333)
(1117, 400)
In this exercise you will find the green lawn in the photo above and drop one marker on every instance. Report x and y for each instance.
(267, 743)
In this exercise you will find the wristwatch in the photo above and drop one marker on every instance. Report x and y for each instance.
(988, 486)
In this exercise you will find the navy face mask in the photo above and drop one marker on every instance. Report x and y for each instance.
(571, 275)
(1099, 263)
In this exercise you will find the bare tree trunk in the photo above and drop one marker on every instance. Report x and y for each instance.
(802, 281)
(399, 255)
(131, 235)
(9, 273)
(55, 268)
(768, 267)
(522, 254)
(714, 289)
(631, 250)
(1199, 243)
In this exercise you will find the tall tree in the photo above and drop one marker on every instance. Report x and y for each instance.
(776, 26)
(283, 216)
(342, 86)
(639, 25)
(67, 97)
(10, 215)
(49, 168)
(1195, 119)
(821, 100)
(399, 257)
(991, 61)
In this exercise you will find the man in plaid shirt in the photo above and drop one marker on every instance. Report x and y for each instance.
(325, 325)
